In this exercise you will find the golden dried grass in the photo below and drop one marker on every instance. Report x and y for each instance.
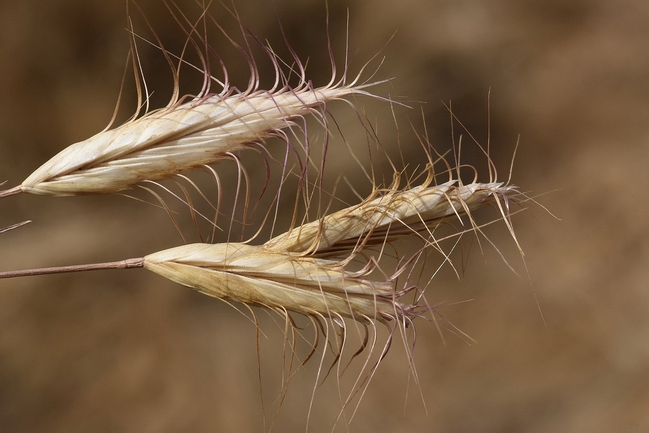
(164, 143)
(193, 131)
(330, 269)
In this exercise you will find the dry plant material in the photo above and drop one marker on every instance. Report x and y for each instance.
(331, 269)
(191, 132)
(281, 281)
(185, 136)
(14, 226)
(337, 267)
(304, 270)
(382, 211)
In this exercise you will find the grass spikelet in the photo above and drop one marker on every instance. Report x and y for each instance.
(280, 281)
(383, 211)
(167, 142)
(336, 270)
(191, 131)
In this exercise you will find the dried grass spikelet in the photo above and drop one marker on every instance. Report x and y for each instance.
(314, 269)
(385, 209)
(191, 131)
(167, 142)
(280, 281)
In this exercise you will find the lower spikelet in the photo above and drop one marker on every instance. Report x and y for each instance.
(280, 281)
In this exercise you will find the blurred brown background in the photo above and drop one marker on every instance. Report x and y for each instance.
(128, 352)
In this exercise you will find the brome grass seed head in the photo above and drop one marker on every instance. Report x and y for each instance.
(167, 142)
(192, 131)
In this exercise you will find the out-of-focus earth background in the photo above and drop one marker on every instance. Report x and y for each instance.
(126, 351)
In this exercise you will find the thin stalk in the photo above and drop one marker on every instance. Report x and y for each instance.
(122, 264)
(12, 191)
(14, 226)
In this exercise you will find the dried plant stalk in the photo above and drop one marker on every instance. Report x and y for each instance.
(14, 226)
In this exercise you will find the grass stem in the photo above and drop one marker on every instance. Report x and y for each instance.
(122, 264)
(12, 191)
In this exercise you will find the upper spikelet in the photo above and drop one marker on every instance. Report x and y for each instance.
(193, 131)
(166, 142)
(395, 209)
